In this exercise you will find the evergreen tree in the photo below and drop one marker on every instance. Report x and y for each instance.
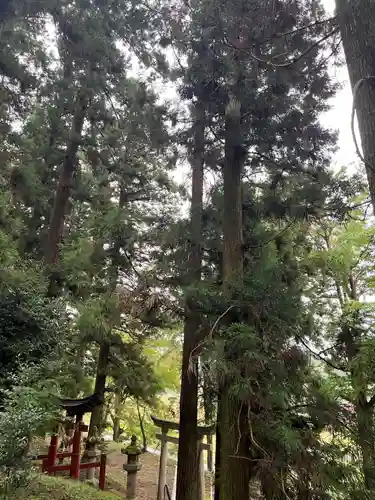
(100, 137)
(188, 454)
(237, 65)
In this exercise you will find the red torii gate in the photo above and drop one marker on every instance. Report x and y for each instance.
(75, 408)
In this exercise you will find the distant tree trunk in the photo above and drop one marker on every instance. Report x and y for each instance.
(357, 25)
(100, 381)
(116, 429)
(364, 409)
(141, 422)
(187, 464)
(234, 436)
(116, 417)
(105, 347)
(210, 464)
(65, 181)
(365, 422)
(208, 404)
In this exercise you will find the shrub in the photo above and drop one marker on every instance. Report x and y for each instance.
(27, 412)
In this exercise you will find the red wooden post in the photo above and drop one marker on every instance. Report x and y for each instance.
(103, 463)
(76, 452)
(52, 453)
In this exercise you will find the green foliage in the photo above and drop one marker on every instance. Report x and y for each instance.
(31, 330)
(149, 381)
(27, 412)
(282, 335)
(45, 487)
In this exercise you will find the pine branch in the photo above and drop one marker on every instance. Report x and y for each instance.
(318, 356)
(285, 64)
(298, 30)
(282, 231)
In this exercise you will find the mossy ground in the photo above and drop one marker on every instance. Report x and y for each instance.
(44, 487)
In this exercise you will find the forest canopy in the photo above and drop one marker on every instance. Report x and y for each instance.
(175, 237)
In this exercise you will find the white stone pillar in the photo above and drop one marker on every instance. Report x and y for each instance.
(201, 474)
(163, 465)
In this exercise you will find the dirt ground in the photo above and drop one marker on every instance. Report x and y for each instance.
(147, 478)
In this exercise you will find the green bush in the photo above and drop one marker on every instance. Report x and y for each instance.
(27, 413)
(30, 331)
(56, 488)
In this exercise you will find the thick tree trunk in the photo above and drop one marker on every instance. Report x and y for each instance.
(187, 464)
(100, 381)
(234, 474)
(271, 486)
(65, 181)
(365, 422)
(357, 26)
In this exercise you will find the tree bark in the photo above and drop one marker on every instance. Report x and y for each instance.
(116, 417)
(357, 25)
(116, 430)
(188, 458)
(208, 404)
(271, 486)
(105, 345)
(65, 181)
(234, 447)
(100, 381)
(365, 422)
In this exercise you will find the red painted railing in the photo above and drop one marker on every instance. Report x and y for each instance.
(49, 461)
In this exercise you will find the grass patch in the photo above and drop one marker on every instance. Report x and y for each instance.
(58, 488)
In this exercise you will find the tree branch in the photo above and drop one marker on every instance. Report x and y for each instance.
(285, 64)
(371, 403)
(318, 356)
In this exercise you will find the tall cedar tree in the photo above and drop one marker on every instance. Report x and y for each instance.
(234, 475)
(89, 64)
(281, 131)
(357, 25)
(188, 453)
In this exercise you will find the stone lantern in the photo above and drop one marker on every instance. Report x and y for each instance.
(132, 467)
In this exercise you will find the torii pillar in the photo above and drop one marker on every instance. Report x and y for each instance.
(166, 426)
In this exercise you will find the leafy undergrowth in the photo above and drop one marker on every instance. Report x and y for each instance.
(58, 488)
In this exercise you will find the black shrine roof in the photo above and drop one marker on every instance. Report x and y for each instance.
(75, 407)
